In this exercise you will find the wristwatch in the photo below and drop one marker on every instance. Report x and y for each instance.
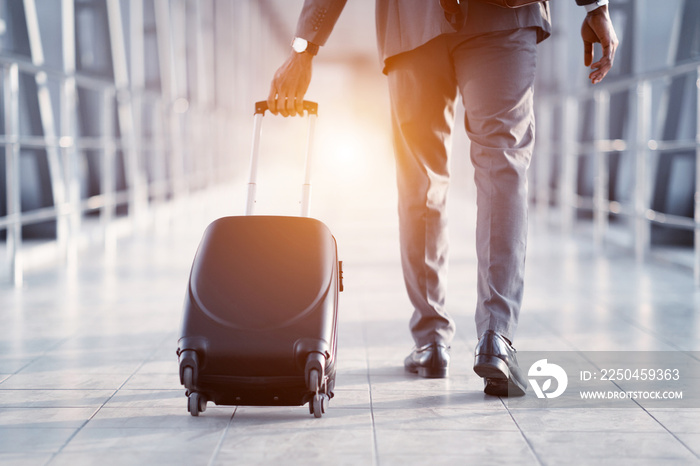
(302, 45)
(595, 5)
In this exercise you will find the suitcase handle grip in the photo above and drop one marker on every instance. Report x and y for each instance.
(310, 107)
(260, 107)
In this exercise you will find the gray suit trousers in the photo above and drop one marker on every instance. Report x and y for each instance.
(494, 73)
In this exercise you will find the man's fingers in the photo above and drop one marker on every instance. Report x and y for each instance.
(587, 53)
(605, 64)
(597, 27)
(289, 86)
(280, 104)
(609, 53)
(272, 100)
(598, 74)
(290, 109)
(600, 70)
(300, 103)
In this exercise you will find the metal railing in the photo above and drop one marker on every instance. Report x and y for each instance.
(161, 167)
(638, 141)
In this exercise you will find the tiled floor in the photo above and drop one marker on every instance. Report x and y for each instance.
(88, 372)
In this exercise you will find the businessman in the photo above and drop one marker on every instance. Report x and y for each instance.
(433, 51)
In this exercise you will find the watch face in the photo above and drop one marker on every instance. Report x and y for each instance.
(299, 45)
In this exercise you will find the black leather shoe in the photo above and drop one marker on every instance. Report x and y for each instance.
(430, 361)
(494, 360)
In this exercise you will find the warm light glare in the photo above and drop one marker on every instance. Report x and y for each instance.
(354, 164)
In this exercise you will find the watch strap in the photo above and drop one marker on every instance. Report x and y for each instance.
(310, 48)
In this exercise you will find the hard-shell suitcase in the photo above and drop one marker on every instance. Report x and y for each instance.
(260, 314)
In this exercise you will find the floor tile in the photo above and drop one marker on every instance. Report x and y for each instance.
(44, 418)
(349, 398)
(34, 440)
(64, 380)
(557, 447)
(121, 457)
(394, 399)
(9, 365)
(62, 398)
(450, 460)
(119, 439)
(686, 421)
(311, 453)
(126, 398)
(82, 384)
(25, 459)
(585, 420)
(154, 381)
(472, 446)
(84, 363)
(259, 419)
(691, 441)
(299, 446)
(428, 419)
(160, 418)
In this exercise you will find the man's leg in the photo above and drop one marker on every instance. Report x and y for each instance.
(496, 74)
(423, 92)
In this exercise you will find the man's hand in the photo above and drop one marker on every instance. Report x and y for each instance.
(290, 84)
(597, 27)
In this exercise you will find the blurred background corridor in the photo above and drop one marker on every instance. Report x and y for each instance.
(116, 112)
(125, 128)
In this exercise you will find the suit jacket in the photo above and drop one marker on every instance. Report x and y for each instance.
(404, 25)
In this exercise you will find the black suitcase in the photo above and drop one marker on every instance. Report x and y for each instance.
(260, 314)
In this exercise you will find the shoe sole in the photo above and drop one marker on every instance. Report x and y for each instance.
(439, 373)
(498, 381)
(491, 367)
(429, 372)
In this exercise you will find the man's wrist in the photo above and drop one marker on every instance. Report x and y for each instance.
(595, 5)
(300, 45)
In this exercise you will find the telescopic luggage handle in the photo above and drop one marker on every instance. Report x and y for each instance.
(311, 109)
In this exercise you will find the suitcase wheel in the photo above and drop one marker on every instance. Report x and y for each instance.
(314, 381)
(318, 405)
(189, 366)
(196, 403)
(319, 402)
(188, 378)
